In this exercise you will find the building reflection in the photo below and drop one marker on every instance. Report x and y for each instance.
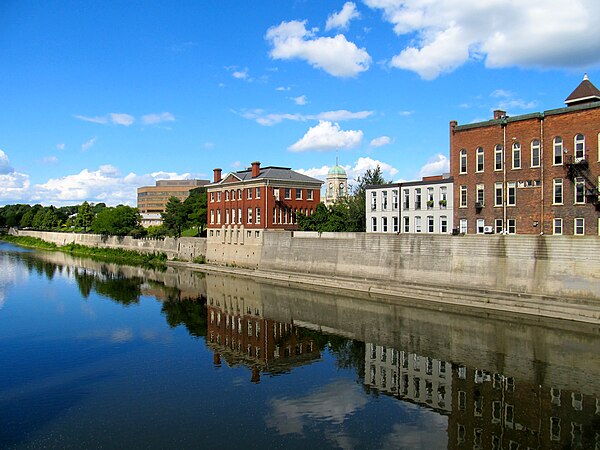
(239, 333)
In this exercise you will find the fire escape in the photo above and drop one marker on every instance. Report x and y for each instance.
(579, 168)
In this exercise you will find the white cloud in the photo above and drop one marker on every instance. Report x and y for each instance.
(88, 144)
(236, 164)
(209, 145)
(301, 100)
(508, 101)
(60, 146)
(445, 34)
(437, 165)
(13, 185)
(5, 166)
(327, 136)
(381, 141)
(342, 19)
(405, 113)
(50, 160)
(282, 88)
(335, 55)
(240, 74)
(353, 171)
(155, 118)
(121, 119)
(98, 119)
(268, 119)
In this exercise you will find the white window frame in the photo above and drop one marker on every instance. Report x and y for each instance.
(480, 226)
(557, 226)
(511, 186)
(443, 224)
(394, 199)
(498, 157)
(557, 151)
(480, 160)
(463, 161)
(579, 191)
(374, 224)
(430, 224)
(406, 224)
(463, 197)
(257, 192)
(309, 194)
(298, 193)
(579, 147)
(249, 193)
(249, 217)
(257, 216)
(516, 155)
(418, 224)
(384, 201)
(557, 188)
(480, 194)
(395, 224)
(536, 153)
(463, 226)
(373, 200)
(498, 194)
(578, 223)
(384, 224)
(511, 226)
(498, 226)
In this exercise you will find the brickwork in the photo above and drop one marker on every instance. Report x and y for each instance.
(518, 193)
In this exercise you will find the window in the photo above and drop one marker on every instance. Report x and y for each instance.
(257, 215)
(232, 215)
(557, 187)
(554, 429)
(374, 224)
(579, 190)
(257, 192)
(557, 225)
(535, 153)
(232, 194)
(417, 224)
(249, 193)
(309, 194)
(395, 224)
(512, 226)
(239, 215)
(341, 190)
(218, 216)
(480, 195)
(443, 197)
(498, 226)
(406, 199)
(579, 226)
(429, 197)
(480, 226)
(212, 196)
(463, 196)
(384, 225)
(406, 224)
(249, 215)
(579, 146)
(373, 201)
(287, 193)
(463, 161)
(227, 216)
(219, 196)
(511, 187)
(226, 196)
(558, 150)
(384, 201)
(430, 228)
(394, 199)
(443, 224)
(516, 156)
(498, 157)
(463, 226)
(298, 194)
(479, 159)
(212, 216)
(418, 198)
(498, 194)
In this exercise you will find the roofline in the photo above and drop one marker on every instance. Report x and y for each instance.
(410, 183)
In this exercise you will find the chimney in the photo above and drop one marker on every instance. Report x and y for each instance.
(255, 169)
(217, 176)
(499, 114)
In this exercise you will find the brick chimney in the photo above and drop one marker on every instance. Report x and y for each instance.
(217, 177)
(255, 169)
(499, 114)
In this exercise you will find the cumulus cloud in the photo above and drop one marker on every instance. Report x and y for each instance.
(358, 169)
(445, 34)
(13, 185)
(342, 18)
(60, 146)
(437, 165)
(88, 144)
(5, 166)
(381, 141)
(154, 118)
(335, 55)
(269, 119)
(301, 100)
(327, 136)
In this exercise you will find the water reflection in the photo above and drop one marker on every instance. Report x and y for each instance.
(459, 378)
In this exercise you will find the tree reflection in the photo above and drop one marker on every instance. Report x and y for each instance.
(189, 313)
(114, 285)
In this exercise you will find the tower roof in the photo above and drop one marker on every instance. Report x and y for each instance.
(337, 170)
(586, 92)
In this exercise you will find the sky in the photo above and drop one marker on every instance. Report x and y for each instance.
(100, 98)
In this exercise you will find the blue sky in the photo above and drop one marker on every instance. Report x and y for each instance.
(99, 98)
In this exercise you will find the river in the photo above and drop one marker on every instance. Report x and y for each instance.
(96, 355)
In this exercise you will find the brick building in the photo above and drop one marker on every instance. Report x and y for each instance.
(536, 173)
(260, 198)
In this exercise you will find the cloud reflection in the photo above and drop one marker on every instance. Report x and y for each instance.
(333, 403)
(122, 335)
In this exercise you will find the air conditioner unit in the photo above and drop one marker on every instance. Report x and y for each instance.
(488, 230)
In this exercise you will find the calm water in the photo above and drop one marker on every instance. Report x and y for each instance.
(94, 355)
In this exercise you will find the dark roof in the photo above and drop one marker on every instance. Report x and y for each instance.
(275, 173)
(585, 92)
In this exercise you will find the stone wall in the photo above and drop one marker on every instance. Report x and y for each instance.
(546, 265)
(183, 248)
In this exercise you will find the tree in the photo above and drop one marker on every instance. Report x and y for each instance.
(196, 208)
(118, 221)
(85, 216)
(50, 219)
(175, 216)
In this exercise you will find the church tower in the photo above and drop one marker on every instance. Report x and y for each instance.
(336, 186)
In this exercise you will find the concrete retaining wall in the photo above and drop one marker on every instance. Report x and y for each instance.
(547, 265)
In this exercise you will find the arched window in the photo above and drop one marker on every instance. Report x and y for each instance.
(558, 150)
(516, 156)
(498, 157)
(579, 146)
(463, 161)
(479, 159)
(535, 153)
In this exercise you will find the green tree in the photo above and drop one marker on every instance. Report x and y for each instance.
(51, 219)
(175, 216)
(38, 219)
(196, 208)
(117, 221)
(85, 216)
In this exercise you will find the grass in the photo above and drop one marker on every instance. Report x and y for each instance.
(105, 254)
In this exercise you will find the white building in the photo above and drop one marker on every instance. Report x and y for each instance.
(411, 207)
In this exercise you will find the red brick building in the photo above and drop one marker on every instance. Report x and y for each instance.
(536, 173)
(261, 198)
